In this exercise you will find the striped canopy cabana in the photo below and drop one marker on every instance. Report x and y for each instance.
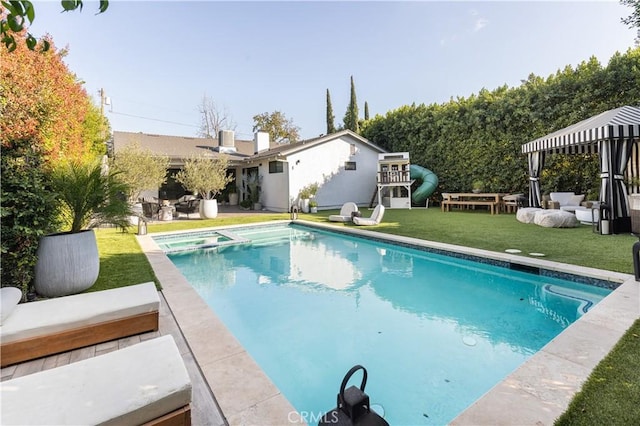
(614, 135)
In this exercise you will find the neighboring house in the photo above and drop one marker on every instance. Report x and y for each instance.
(177, 149)
(343, 164)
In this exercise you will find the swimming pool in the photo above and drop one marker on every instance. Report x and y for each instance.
(432, 336)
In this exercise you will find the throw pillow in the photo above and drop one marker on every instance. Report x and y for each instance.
(576, 200)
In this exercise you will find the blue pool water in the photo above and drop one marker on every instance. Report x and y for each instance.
(434, 332)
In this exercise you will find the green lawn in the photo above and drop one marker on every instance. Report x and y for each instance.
(611, 394)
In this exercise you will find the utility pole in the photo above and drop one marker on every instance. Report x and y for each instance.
(102, 102)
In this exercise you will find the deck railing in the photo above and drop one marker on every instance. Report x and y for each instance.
(394, 176)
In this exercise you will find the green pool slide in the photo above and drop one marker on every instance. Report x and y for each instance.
(428, 185)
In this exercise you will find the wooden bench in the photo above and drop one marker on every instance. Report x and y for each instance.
(447, 204)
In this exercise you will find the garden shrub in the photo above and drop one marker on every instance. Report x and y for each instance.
(27, 212)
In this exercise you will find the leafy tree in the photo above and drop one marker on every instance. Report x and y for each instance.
(280, 128)
(633, 20)
(480, 137)
(140, 169)
(42, 101)
(366, 110)
(331, 127)
(351, 116)
(213, 119)
(205, 176)
(16, 13)
(45, 115)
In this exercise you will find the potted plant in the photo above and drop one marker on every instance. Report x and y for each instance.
(305, 194)
(141, 171)
(477, 186)
(233, 195)
(313, 206)
(246, 204)
(253, 181)
(207, 177)
(88, 196)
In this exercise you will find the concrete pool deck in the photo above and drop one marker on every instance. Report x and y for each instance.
(535, 393)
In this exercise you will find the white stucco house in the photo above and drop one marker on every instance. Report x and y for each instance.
(343, 164)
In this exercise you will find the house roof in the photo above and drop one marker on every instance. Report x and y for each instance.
(283, 151)
(177, 148)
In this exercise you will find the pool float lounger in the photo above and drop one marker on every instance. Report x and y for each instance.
(36, 329)
(146, 383)
(375, 219)
(345, 213)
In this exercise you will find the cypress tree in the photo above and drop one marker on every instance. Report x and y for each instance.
(331, 128)
(351, 116)
(366, 110)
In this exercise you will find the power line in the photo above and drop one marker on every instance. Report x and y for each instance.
(153, 119)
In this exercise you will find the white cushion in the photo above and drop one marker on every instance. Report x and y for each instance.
(129, 386)
(9, 299)
(64, 313)
(576, 200)
(339, 218)
(555, 219)
(584, 215)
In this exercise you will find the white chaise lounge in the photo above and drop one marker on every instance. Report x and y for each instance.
(375, 219)
(146, 383)
(36, 329)
(345, 213)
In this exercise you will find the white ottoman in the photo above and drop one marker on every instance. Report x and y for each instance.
(583, 215)
(555, 219)
(527, 214)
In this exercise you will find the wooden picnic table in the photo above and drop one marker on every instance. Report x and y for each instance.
(461, 199)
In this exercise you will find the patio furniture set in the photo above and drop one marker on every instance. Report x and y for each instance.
(153, 209)
(562, 210)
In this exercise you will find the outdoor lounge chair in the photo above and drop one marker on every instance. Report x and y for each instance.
(146, 383)
(345, 213)
(188, 206)
(150, 210)
(36, 329)
(375, 219)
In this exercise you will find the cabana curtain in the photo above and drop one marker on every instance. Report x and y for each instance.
(536, 161)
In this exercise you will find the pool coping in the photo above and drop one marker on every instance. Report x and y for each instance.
(537, 392)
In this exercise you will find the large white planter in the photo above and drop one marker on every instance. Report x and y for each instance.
(208, 209)
(304, 205)
(137, 213)
(67, 263)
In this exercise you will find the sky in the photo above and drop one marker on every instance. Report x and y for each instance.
(156, 60)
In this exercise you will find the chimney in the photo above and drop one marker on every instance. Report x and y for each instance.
(226, 141)
(261, 141)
